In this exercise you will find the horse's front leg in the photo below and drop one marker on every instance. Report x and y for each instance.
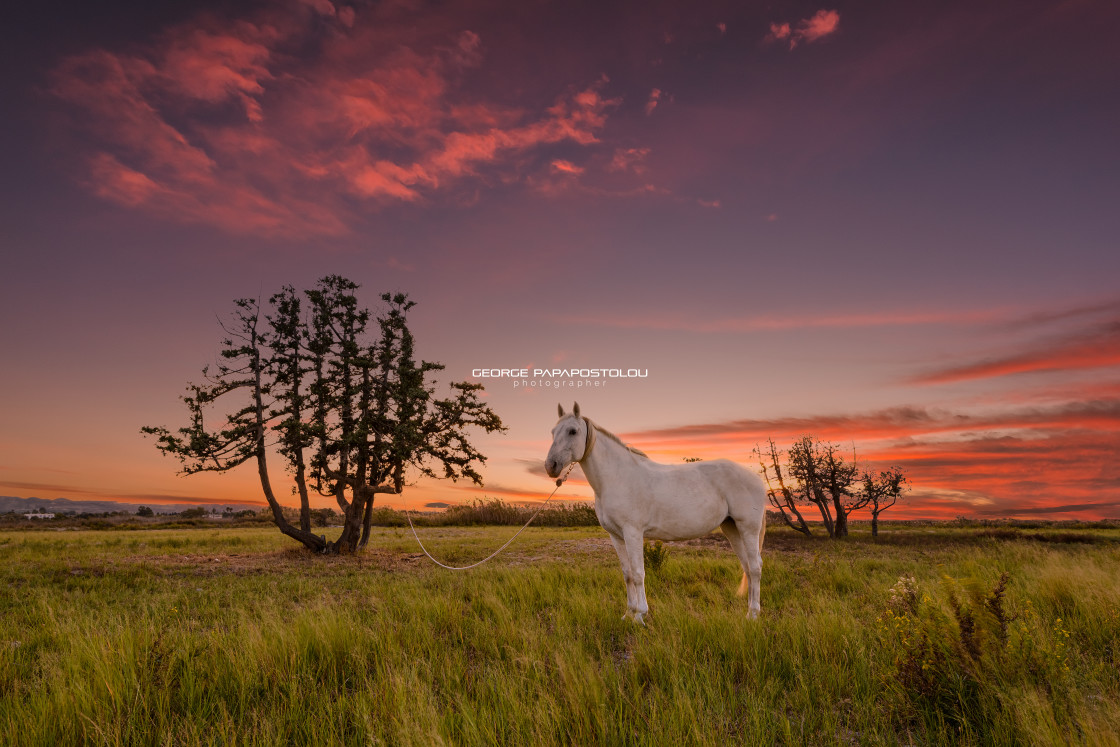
(624, 561)
(637, 586)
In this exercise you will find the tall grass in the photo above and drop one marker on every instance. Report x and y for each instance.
(493, 512)
(192, 637)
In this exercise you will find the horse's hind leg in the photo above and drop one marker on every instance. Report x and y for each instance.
(624, 560)
(743, 542)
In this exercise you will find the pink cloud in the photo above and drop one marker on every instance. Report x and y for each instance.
(779, 31)
(654, 98)
(114, 181)
(218, 123)
(823, 23)
(808, 30)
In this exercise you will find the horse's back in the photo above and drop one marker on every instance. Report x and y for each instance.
(741, 490)
(731, 474)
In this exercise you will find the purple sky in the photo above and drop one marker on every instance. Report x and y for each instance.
(889, 224)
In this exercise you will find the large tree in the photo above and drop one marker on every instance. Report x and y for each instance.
(351, 413)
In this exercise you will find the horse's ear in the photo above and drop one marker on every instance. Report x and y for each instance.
(575, 409)
(560, 409)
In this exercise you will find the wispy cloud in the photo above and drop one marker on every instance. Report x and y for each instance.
(774, 322)
(890, 423)
(1094, 347)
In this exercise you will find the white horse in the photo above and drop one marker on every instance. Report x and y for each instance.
(636, 498)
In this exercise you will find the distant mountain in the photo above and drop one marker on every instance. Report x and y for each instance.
(59, 505)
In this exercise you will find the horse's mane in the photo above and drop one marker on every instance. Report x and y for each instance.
(616, 439)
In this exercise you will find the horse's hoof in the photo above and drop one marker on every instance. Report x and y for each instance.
(752, 614)
(640, 618)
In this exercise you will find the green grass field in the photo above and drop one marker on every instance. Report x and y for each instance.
(233, 636)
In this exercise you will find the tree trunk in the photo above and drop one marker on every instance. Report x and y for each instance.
(826, 515)
(874, 522)
(304, 500)
(841, 526)
(352, 522)
(306, 537)
(367, 519)
(311, 541)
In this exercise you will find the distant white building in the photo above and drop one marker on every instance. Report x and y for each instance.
(39, 516)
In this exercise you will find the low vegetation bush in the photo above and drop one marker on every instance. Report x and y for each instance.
(656, 554)
(965, 648)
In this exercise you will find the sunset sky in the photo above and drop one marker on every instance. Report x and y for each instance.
(891, 225)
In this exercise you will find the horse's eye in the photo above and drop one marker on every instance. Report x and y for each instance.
(572, 432)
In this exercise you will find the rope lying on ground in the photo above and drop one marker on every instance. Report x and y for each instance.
(559, 482)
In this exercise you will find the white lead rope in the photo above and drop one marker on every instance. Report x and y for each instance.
(559, 482)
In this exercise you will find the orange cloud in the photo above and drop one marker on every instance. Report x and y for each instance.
(1095, 348)
(566, 167)
(217, 123)
(1043, 471)
(819, 25)
(779, 31)
(1033, 459)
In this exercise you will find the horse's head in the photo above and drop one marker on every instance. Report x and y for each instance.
(569, 441)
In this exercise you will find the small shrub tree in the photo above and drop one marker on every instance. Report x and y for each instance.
(880, 492)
